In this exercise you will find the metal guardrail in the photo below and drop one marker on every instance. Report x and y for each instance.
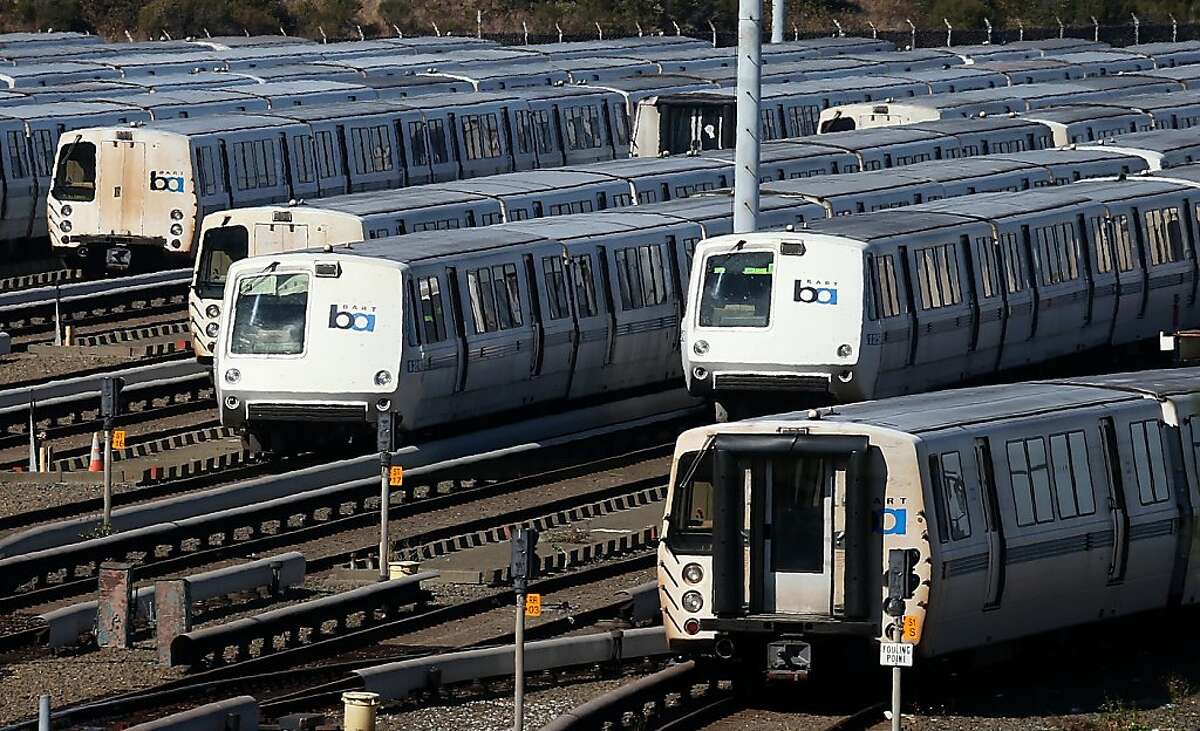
(85, 388)
(239, 713)
(20, 301)
(66, 624)
(351, 479)
(299, 623)
(609, 708)
(398, 680)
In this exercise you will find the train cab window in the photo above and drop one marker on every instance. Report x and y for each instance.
(220, 248)
(495, 298)
(640, 276)
(954, 519)
(43, 152)
(428, 295)
(585, 286)
(1164, 235)
(1029, 472)
(691, 518)
(556, 287)
(1149, 464)
(1072, 474)
(737, 290)
(76, 176)
(937, 276)
(884, 290)
(1057, 253)
(269, 315)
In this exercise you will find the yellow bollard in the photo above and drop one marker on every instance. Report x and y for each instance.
(359, 710)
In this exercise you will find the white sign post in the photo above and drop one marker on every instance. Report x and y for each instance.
(896, 655)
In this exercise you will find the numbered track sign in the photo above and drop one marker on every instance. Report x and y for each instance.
(118, 439)
(395, 476)
(912, 628)
(892, 654)
(533, 605)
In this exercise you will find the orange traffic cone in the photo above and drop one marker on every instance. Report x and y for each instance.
(96, 462)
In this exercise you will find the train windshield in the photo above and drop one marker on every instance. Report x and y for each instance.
(691, 511)
(220, 249)
(75, 179)
(269, 315)
(737, 290)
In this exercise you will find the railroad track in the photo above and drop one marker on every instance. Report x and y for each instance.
(48, 277)
(326, 512)
(26, 312)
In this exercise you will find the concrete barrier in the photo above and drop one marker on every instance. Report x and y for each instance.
(239, 713)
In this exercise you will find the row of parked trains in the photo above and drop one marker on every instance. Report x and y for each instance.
(222, 157)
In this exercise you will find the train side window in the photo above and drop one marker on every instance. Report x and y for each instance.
(1029, 472)
(556, 286)
(481, 136)
(437, 141)
(1164, 235)
(372, 149)
(583, 129)
(432, 325)
(1148, 461)
(620, 200)
(647, 196)
(689, 250)
(1121, 241)
(884, 289)
(326, 156)
(989, 272)
(770, 129)
(206, 170)
(1057, 251)
(491, 219)
(43, 152)
(524, 135)
(420, 146)
(1014, 270)
(305, 168)
(620, 122)
(954, 519)
(585, 286)
(937, 276)
(1072, 474)
(495, 298)
(640, 276)
(19, 167)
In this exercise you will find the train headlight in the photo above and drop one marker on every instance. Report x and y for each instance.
(211, 330)
(383, 378)
(700, 347)
(212, 310)
(692, 601)
(176, 215)
(64, 226)
(383, 404)
(700, 373)
(693, 574)
(233, 375)
(177, 229)
(845, 351)
(66, 210)
(232, 402)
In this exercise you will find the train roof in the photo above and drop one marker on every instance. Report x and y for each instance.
(1159, 384)
(1185, 72)
(1169, 100)
(373, 202)
(70, 108)
(211, 124)
(1061, 155)
(975, 125)
(528, 181)
(876, 136)
(1072, 113)
(1157, 140)
(929, 412)
(1189, 172)
(652, 82)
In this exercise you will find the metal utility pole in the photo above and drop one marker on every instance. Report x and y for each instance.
(749, 92)
(110, 407)
(385, 439)
(778, 12)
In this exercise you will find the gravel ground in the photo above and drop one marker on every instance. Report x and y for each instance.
(201, 418)
(20, 367)
(17, 496)
(69, 680)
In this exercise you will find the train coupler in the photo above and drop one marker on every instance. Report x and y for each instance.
(788, 660)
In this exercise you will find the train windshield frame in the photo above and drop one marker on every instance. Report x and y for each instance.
(270, 314)
(734, 282)
(75, 178)
(221, 247)
(690, 526)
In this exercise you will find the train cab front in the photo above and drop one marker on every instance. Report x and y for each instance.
(121, 199)
(770, 562)
(775, 321)
(308, 349)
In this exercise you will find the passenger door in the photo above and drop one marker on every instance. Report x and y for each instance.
(498, 333)
(1020, 297)
(554, 327)
(647, 321)
(1131, 276)
(432, 361)
(988, 298)
(800, 545)
(122, 187)
(21, 190)
(595, 322)
(943, 313)
(1060, 283)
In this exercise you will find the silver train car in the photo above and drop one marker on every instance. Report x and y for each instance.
(906, 300)
(951, 521)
